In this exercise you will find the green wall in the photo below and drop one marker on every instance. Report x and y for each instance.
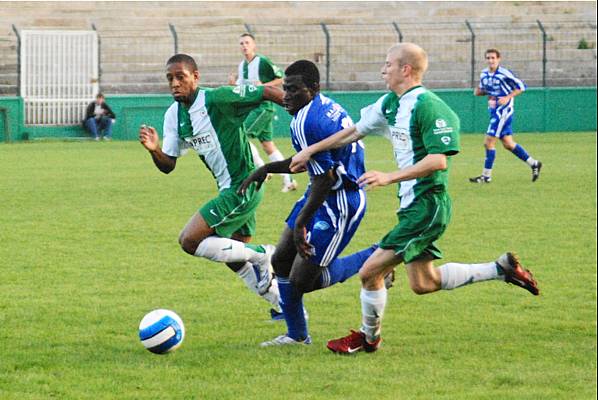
(537, 110)
(11, 118)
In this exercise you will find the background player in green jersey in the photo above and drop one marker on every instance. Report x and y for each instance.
(424, 133)
(257, 70)
(210, 121)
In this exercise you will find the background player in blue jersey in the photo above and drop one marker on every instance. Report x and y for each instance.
(324, 220)
(501, 86)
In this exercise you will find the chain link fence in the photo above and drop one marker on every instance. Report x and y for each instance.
(349, 56)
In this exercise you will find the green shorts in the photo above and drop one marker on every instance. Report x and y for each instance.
(420, 225)
(258, 123)
(231, 213)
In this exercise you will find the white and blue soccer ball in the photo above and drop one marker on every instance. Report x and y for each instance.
(161, 331)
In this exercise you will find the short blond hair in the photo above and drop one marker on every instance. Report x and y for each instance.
(413, 55)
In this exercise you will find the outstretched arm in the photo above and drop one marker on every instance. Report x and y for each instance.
(424, 167)
(150, 140)
(273, 94)
(260, 174)
(339, 139)
(320, 188)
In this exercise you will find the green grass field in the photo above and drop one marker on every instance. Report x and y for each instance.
(89, 245)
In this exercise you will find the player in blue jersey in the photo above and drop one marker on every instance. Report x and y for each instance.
(501, 86)
(323, 221)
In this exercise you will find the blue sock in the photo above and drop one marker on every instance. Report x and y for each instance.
(291, 303)
(490, 155)
(342, 269)
(520, 152)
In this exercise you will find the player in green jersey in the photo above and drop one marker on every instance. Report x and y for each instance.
(210, 121)
(424, 133)
(257, 70)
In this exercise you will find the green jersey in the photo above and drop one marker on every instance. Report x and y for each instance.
(213, 127)
(418, 123)
(260, 69)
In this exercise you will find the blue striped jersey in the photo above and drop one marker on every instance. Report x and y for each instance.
(320, 118)
(500, 82)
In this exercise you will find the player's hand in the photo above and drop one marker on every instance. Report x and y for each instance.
(232, 79)
(304, 249)
(299, 161)
(371, 179)
(259, 176)
(503, 100)
(149, 138)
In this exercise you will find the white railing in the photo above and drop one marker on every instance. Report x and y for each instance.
(59, 75)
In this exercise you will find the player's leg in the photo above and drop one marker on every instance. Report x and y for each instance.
(519, 152)
(92, 127)
(490, 150)
(106, 127)
(208, 233)
(199, 239)
(255, 154)
(330, 231)
(373, 303)
(257, 277)
(291, 298)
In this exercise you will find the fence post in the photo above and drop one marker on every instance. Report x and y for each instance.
(175, 38)
(327, 34)
(248, 29)
(544, 38)
(93, 26)
(16, 31)
(472, 52)
(396, 26)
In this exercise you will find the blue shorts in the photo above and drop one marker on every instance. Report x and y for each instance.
(333, 224)
(500, 121)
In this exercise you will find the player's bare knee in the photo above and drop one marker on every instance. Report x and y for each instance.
(280, 264)
(301, 285)
(188, 245)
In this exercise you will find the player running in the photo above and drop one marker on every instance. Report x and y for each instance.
(501, 86)
(256, 69)
(323, 221)
(424, 133)
(211, 123)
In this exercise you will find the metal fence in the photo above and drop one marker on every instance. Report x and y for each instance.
(349, 55)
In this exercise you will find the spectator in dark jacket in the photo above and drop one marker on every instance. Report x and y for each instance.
(99, 118)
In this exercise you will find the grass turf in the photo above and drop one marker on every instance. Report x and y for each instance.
(89, 245)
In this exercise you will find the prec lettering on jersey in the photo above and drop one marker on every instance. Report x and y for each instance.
(400, 138)
(203, 142)
(335, 112)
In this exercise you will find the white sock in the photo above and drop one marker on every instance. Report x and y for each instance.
(487, 172)
(255, 154)
(277, 156)
(453, 275)
(372, 311)
(228, 250)
(247, 274)
(531, 161)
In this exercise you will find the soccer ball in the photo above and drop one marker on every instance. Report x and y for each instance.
(161, 331)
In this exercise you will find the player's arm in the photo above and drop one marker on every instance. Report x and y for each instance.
(479, 92)
(260, 174)
(320, 188)
(339, 139)
(504, 100)
(273, 94)
(150, 140)
(424, 167)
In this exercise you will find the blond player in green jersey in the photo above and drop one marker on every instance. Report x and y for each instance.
(210, 122)
(256, 69)
(424, 133)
